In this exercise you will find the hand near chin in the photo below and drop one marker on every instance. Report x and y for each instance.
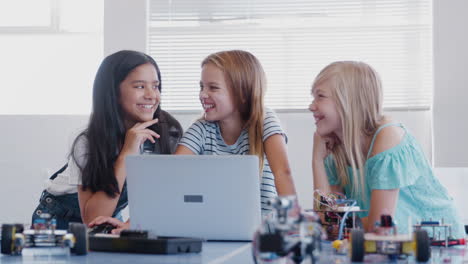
(323, 145)
(137, 135)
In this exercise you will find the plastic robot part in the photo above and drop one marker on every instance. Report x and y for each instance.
(44, 235)
(337, 244)
(386, 241)
(288, 233)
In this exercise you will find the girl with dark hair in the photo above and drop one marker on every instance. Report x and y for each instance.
(236, 122)
(126, 119)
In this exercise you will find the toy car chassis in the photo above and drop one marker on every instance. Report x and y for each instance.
(15, 238)
(446, 240)
(385, 240)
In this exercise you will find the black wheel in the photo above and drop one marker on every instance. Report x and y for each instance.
(7, 238)
(81, 238)
(357, 245)
(423, 250)
(297, 256)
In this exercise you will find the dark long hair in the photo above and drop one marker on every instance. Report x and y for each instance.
(105, 133)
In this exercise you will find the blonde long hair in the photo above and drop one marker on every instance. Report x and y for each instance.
(357, 91)
(246, 80)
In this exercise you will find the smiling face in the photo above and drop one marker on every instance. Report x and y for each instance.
(139, 94)
(327, 118)
(215, 95)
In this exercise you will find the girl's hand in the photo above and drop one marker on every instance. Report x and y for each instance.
(323, 146)
(119, 225)
(137, 135)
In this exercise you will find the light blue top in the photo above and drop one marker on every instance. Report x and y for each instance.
(204, 138)
(421, 195)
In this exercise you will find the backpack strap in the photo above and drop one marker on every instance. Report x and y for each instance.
(59, 171)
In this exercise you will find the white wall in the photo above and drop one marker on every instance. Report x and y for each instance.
(451, 83)
(125, 25)
(456, 180)
(33, 147)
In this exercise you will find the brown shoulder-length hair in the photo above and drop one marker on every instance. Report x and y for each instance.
(246, 80)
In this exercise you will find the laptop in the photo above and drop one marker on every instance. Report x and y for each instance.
(204, 196)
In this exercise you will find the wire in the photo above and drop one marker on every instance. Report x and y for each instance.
(329, 199)
(343, 220)
(340, 195)
(332, 200)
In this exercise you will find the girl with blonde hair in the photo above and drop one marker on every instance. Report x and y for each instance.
(365, 155)
(235, 121)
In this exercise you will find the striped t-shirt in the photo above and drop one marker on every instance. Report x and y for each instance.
(204, 138)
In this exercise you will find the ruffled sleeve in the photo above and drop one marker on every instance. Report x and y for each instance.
(397, 167)
(330, 169)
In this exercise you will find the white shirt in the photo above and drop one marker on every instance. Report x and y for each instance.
(68, 181)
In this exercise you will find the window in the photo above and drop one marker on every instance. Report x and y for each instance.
(294, 40)
(50, 54)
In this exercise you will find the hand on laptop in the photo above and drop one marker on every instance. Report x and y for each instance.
(119, 225)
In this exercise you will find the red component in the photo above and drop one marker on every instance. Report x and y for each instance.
(451, 242)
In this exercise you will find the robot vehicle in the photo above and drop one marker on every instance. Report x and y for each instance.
(385, 240)
(44, 235)
(288, 233)
(437, 239)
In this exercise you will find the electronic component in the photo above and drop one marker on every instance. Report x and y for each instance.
(338, 214)
(386, 240)
(288, 233)
(441, 233)
(44, 234)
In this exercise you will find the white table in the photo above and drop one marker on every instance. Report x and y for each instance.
(223, 253)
